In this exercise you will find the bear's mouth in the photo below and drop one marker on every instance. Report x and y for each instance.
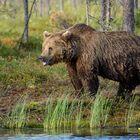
(45, 61)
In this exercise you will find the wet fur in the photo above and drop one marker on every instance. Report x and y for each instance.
(112, 55)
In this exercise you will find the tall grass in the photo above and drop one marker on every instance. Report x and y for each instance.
(63, 113)
(129, 114)
(79, 113)
(56, 112)
(70, 112)
(100, 110)
(66, 112)
(17, 117)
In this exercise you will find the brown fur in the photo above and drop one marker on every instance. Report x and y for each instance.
(89, 53)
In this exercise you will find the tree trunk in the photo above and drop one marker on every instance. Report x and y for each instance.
(48, 7)
(136, 4)
(74, 3)
(121, 2)
(87, 11)
(128, 15)
(108, 12)
(26, 20)
(41, 8)
(103, 14)
(61, 5)
(5, 3)
(36, 8)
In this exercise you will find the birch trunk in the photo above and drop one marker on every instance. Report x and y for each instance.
(128, 15)
(26, 20)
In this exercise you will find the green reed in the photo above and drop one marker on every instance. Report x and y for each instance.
(16, 118)
(100, 110)
(129, 114)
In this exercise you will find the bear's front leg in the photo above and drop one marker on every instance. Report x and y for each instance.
(125, 91)
(121, 91)
(92, 84)
(75, 79)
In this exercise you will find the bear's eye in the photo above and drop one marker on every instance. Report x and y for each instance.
(50, 50)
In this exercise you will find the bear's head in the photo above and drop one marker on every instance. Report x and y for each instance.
(57, 47)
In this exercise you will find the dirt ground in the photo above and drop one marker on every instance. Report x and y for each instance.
(10, 94)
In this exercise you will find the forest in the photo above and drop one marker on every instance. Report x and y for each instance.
(34, 96)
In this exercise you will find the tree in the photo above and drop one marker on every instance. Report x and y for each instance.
(61, 5)
(48, 7)
(74, 3)
(36, 8)
(128, 15)
(87, 11)
(41, 8)
(108, 13)
(26, 20)
(5, 3)
(103, 14)
(121, 2)
(136, 4)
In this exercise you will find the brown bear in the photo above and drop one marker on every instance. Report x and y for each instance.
(89, 53)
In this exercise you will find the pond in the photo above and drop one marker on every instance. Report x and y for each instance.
(82, 134)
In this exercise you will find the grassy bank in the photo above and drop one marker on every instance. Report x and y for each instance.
(67, 111)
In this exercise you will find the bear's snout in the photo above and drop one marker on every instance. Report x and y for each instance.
(44, 60)
(41, 58)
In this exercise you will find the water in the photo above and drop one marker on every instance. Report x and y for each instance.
(83, 134)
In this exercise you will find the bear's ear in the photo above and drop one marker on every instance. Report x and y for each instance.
(67, 35)
(46, 34)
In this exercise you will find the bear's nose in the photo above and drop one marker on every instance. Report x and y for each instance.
(41, 58)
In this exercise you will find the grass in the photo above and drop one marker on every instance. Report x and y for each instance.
(18, 71)
(17, 117)
(56, 114)
(68, 112)
(100, 110)
(130, 118)
(65, 113)
(79, 114)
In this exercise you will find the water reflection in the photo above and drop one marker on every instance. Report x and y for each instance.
(76, 134)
